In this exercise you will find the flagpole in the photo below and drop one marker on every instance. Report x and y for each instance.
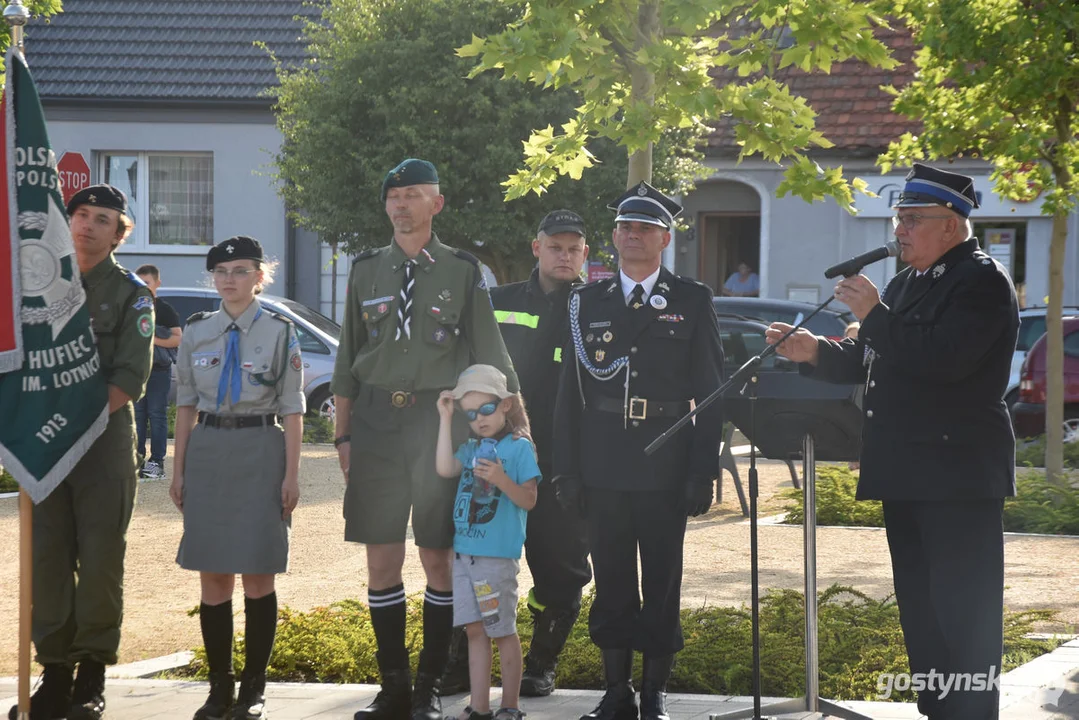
(17, 16)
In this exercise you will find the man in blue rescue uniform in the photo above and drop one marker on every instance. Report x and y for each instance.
(532, 317)
(418, 313)
(80, 530)
(937, 444)
(644, 344)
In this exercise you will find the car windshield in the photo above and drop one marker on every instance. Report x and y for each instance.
(316, 319)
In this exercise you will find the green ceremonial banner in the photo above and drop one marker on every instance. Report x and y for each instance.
(54, 401)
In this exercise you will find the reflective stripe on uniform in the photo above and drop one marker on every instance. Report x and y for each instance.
(511, 317)
(558, 354)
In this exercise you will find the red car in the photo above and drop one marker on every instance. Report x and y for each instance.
(1028, 414)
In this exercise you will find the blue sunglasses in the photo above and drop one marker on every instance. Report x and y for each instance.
(485, 410)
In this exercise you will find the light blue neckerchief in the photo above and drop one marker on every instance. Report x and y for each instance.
(231, 378)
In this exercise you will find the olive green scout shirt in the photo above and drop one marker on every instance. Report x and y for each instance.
(453, 324)
(122, 316)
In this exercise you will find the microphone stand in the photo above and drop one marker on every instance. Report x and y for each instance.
(747, 376)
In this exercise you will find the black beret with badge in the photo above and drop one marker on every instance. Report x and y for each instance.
(562, 221)
(643, 203)
(409, 172)
(238, 247)
(928, 187)
(102, 196)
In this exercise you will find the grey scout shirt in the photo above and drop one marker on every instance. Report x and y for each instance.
(270, 363)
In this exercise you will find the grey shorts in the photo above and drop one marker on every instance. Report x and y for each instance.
(485, 590)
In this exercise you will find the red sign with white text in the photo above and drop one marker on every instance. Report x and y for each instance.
(74, 174)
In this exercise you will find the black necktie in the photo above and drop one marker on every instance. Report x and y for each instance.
(404, 308)
(636, 300)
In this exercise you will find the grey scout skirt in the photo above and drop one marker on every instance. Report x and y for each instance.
(232, 501)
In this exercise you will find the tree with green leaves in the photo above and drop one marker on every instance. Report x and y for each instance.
(383, 84)
(999, 79)
(643, 66)
(37, 8)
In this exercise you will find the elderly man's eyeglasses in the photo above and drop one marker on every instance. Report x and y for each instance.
(238, 273)
(909, 221)
(484, 409)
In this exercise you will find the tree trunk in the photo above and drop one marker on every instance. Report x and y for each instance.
(643, 88)
(1054, 352)
(333, 281)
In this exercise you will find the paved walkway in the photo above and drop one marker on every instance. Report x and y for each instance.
(1045, 689)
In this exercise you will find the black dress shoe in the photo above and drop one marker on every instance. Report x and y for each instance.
(251, 700)
(221, 698)
(619, 701)
(426, 703)
(656, 673)
(52, 699)
(394, 699)
(88, 694)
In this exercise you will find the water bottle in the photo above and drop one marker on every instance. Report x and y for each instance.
(487, 450)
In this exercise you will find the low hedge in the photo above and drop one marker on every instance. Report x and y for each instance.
(1038, 507)
(1031, 453)
(859, 638)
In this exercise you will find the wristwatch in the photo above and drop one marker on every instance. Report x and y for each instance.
(338, 442)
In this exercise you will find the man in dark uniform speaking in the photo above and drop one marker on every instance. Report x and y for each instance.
(418, 313)
(644, 344)
(937, 444)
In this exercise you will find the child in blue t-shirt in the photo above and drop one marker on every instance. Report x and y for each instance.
(498, 477)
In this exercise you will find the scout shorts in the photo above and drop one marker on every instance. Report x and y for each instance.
(485, 590)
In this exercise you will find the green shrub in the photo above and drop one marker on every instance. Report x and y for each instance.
(1031, 453)
(859, 638)
(836, 486)
(1038, 507)
(171, 414)
(7, 483)
(317, 430)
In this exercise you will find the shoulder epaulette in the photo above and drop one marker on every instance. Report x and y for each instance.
(368, 253)
(589, 285)
(195, 317)
(277, 316)
(132, 277)
(464, 255)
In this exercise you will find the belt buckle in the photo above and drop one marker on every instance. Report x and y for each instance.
(226, 421)
(400, 398)
(638, 408)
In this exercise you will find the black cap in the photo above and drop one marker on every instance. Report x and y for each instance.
(238, 247)
(104, 196)
(409, 172)
(643, 203)
(562, 221)
(927, 186)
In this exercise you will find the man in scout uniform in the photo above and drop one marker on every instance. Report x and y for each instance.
(532, 317)
(644, 344)
(418, 313)
(80, 529)
(934, 352)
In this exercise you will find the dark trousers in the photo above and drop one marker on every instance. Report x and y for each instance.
(948, 565)
(153, 407)
(556, 549)
(621, 525)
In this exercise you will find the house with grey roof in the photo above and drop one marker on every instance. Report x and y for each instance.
(171, 101)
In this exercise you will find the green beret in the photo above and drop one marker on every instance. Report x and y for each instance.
(409, 172)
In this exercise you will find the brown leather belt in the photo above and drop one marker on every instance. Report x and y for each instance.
(236, 422)
(641, 408)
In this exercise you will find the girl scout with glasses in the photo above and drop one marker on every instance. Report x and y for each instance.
(236, 475)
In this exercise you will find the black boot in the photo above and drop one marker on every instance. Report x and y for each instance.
(251, 700)
(221, 698)
(52, 699)
(455, 678)
(619, 702)
(426, 704)
(393, 701)
(551, 630)
(88, 695)
(657, 670)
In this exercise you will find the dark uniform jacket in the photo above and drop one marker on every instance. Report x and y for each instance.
(935, 356)
(535, 331)
(671, 355)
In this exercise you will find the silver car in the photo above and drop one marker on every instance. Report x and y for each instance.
(318, 336)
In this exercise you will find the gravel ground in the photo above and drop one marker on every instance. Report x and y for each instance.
(1041, 572)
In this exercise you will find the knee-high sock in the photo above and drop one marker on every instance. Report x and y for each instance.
(437, 628)
(261, 629)
(216, 622)
(388, 619)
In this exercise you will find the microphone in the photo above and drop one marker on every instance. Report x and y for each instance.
(855, 264)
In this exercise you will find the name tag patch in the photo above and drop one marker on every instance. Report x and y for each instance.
(376, 301)
(601, 324)
(206, 359)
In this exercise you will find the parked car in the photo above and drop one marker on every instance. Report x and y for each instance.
(1028, 413)
(1031, 327)
(317, 334)
(828, 322)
